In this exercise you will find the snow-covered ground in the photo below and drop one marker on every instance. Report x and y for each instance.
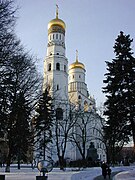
(56, 174)
(125, 175)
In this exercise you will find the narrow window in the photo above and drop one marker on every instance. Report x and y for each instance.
(58, 66)
(57, 87)
(59, 114)
(65, 68)
(49, 67)
(56, 36)
(50, 37)
(60, 36)
(79, 76)
(85, 106)
(73, 76)
(53, 36)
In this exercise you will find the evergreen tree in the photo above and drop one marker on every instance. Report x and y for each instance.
(22, 132)
(43, 122)
(22, 78)
(18, 75)
(120, 94)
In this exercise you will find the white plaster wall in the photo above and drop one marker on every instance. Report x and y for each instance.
(76, 74)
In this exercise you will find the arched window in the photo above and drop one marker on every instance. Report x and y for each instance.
(58, 66)
(56, 36)
(79, 97)
(59, 114)
(49, 67)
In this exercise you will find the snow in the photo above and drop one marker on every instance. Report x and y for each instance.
(86, 174)
(126, 175)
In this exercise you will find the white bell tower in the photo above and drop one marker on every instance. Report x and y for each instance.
(77, 88)
(56, 63)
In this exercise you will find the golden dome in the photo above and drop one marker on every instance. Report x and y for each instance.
(77, 64)
(56, 22)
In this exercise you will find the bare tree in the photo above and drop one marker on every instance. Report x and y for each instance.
(82, 132)
(63, 124)
(18, 77)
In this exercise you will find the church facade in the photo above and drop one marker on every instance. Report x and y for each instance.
(70, 93)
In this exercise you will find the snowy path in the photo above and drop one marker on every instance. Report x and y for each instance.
(28, 174)
(56, 174)
(32, 176)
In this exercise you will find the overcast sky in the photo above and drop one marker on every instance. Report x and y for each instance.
(91, 27)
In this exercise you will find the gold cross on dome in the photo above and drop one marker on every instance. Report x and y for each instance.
(76, 55)
(57, 12)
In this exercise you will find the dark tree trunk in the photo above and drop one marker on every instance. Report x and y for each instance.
(133, 132)
(61, 162)
(7, 168)
(19, 160)
(107, 156)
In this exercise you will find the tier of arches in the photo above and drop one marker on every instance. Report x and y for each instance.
(56, 36)
(59, 67)
(77, 86)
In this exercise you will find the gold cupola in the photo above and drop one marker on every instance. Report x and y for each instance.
(77, 64)
(56, 22)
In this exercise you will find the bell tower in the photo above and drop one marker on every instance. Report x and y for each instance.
(56, 63)
(77, 88)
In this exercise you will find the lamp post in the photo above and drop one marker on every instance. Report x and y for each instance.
(44, 167)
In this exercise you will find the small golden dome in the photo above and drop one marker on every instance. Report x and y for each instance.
(77, 64)
(56, 22)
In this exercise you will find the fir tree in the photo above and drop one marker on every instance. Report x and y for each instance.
(120, 94)
(22, 132)
(43, 122)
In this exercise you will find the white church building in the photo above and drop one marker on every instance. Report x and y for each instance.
(69, 90)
